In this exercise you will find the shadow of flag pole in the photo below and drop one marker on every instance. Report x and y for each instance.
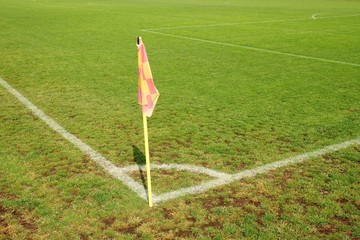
(147, 98)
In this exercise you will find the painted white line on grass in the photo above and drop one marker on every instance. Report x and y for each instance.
(179, 167)
(122, 173)
(340, 16)
(254, 48)
(314, 16)
(296, 159)
(86, 149)
(253, 172)
(225, 24)
(317, 14)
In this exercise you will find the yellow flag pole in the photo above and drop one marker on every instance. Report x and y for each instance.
(147, 155)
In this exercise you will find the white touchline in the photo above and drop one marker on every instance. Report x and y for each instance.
(122, 173)
(254, 48)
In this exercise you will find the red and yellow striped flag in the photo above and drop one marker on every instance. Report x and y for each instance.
(147, 92)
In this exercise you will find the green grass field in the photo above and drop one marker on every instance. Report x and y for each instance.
(243, 83)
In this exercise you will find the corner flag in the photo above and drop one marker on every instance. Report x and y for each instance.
(147, 92)
(148, 96)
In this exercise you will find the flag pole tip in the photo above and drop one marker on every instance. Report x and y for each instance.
(138, 38)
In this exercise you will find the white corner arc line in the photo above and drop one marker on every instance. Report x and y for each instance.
(254, 48)
(86, 149)
(179, 167)
(317, 14)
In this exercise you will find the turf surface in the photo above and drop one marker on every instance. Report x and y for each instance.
(224, 107)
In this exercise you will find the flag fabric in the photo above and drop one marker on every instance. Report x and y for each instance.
(147, 92)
